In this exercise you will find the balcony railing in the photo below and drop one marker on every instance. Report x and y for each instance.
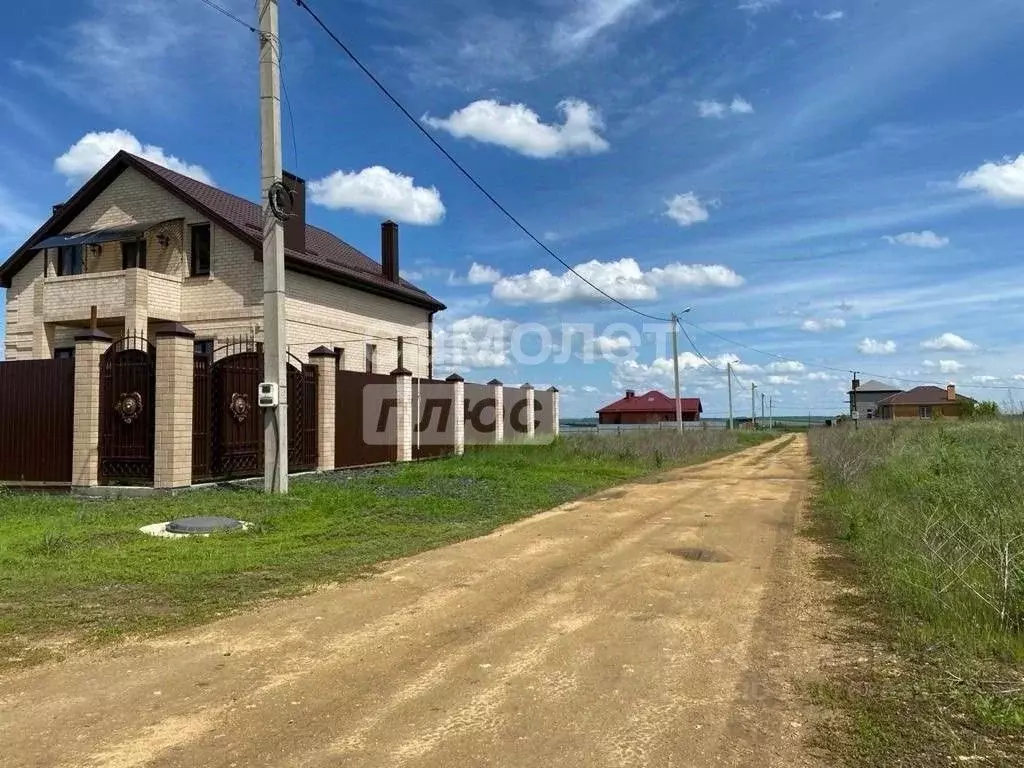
(70, 298)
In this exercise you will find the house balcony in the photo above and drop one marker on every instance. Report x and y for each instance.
(115, 294)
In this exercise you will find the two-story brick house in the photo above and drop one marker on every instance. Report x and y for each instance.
(146, 245)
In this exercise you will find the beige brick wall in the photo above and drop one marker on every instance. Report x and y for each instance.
(323, 313)
(172, 444)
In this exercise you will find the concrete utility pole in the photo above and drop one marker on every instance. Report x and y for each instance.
(275, 420)
(762, 407)
(753, 413)
(771, 412)
(728, 374)
(853, 401)
(675, 365)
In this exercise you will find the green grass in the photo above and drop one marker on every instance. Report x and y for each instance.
(77, 570)
(927, 523)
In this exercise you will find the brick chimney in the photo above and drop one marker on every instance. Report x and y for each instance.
(57, 208)
(295, 226)
(951, 392)
(389, 250)
(630, 394)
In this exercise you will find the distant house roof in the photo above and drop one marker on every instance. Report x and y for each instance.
(926, 395)
(325, 256)
(652, 402)
(875, 386)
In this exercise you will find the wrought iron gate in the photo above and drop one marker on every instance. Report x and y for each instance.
(236, 424)
(227, 423)
(127, 412)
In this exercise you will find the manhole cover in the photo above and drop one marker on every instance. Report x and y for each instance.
(203, 524)
(699, 555)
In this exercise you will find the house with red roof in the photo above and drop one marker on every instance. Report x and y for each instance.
(650, 408)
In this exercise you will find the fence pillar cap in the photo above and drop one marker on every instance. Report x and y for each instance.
(552, 389)
(527, 385)
(401, 372)
(494, 383)
(322, 352)
(173, 329)
(93, 334)
(454, 378)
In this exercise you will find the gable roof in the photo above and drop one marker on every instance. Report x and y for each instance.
(926, 395)
(875, 386)
(652, 402)
(326, 255)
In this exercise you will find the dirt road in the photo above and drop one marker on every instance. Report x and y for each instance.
(657, 624)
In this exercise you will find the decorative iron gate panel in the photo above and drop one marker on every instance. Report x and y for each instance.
(236, 420)
(202, 416)
(302, 418)
(127, 412)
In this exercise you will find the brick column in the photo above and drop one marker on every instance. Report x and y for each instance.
(531, 429)
(554, 410)
(458, 396)
(172, 440)
(403, 414)
(326, 362)
(499, 410)
(136, 302)
(85, 466)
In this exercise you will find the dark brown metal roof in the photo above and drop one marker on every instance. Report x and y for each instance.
(926, 395)
(326, 255)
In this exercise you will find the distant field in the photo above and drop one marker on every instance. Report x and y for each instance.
(929, 522)
(75, 570)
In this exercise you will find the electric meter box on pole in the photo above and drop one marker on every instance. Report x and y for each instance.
(268, 394)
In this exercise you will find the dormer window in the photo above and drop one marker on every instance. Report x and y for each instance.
(133, 254)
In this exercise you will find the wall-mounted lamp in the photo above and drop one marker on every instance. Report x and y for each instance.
(163, 239)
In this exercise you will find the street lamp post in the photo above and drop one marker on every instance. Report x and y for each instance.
(675, 365)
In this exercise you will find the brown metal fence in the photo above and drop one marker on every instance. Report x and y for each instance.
(434, 422)
(302, 417)
(364, 425)
(37, 420)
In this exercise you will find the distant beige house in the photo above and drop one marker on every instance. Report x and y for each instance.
(146, 245)
(923, 403)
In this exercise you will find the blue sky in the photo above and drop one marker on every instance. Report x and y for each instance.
(838, 183)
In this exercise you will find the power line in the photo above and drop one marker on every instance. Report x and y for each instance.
(221, 9)
(462, 169)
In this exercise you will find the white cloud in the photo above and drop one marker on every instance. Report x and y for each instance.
(687, 209)
(944, 366)
(519, 128)
(820, 376)
(787, 366)
(1003, 181)
(984, 379)
(949, 341)
(93, 150)
(623, 279)
(757, 6)
(379, 191)
(590, 389)
(482, 275)
(777, 380)
(609, 345)
(719, 109)
(925, 239)
(590, 18)
(1018, 377)
(552, 237)
(827, 324)
(829, 16)
(869, 346)
(473, 342)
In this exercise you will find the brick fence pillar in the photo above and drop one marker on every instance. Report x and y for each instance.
(499, 410)
(403, 414)
(531, 413)
(175, 372)
(458, 397)
(326, 362)
(554, 410)
(89, 348)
